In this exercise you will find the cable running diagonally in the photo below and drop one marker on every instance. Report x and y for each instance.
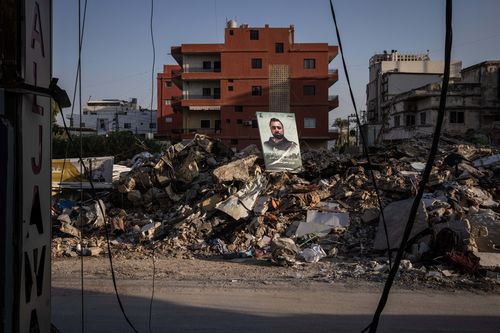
(151, 110)
(425, 176)
(363, 139)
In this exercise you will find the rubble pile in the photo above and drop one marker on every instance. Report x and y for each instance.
(199, 198)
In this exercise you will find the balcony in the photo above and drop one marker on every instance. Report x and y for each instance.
(189, 97)
(201, 70)
(198, 102)
(333, 101)
(333, 76)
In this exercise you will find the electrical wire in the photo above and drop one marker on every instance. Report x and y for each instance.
(94, 194)
(151, 110)
(362, 135)
(79, 75)
(425, 176)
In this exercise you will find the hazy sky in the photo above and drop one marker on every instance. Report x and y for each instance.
(117, 51)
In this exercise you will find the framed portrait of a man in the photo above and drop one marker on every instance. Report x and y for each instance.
(280, 142)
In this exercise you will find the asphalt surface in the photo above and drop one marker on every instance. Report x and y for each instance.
(237, 306)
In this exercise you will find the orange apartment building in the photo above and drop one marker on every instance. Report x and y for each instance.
(218, 88)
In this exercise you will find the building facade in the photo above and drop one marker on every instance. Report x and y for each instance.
(254, 70)
(472, 107)
(113, 115)
(168, 121)
(393, 73)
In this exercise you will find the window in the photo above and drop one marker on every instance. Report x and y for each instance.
(207, 65)
(207, 91)
(216, 66)
(423, 117)
(238, 108)
(256, 63)
(127, 125)
(230, 88)
(231, 32)
(309, 90)
(397, 121)
(239, 121)
(309, 63)
(234, 142)
(102, 124)
(168, 84)
(204, 123)
(309, 122)
(410, 120)
(82, 124)
(216, 93)
(256, 91)
(169, 120)
(254, 123)
(279, 47)
(228, 121)
(254, 34)
(230, 80)
(168, 101)
(152, 125)
(456, 117)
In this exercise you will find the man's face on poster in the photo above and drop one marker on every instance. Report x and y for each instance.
(277, 130)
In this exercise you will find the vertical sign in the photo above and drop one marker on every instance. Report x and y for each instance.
(35, 161)
(278, 135)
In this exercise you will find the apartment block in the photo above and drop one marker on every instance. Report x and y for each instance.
(393, 73)
(256, 69)
(472, 107)
(168, 122)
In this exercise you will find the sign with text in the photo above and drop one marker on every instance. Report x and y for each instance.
(280, 143)
(34, 159)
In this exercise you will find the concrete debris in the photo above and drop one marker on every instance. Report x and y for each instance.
(207, 201)
(396, 216)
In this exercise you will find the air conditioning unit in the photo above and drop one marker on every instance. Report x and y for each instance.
(247, 123)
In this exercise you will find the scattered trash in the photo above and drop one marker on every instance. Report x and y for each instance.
(205, 200)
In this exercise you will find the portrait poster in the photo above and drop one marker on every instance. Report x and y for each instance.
(280, 141)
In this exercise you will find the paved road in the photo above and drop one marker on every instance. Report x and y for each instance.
(238, 307)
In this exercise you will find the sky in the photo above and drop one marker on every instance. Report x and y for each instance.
(117, 50)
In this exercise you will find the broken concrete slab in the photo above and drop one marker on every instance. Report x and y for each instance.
(233, 207)
(238, 170)
(321, 223)
(396, 216)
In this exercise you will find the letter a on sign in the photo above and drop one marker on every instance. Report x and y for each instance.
(36, 32)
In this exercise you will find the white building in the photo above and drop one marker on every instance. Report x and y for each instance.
(394, 73)
(111, 115)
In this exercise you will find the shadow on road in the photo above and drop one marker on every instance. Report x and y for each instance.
(102, 314)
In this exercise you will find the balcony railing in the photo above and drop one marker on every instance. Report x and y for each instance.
(202, 97)
(201, 70)
(333, 71)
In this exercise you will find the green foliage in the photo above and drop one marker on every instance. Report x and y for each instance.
(121, 145)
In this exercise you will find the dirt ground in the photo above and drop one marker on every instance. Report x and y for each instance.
(253, 272)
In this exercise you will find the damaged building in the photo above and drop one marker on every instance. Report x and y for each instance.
(472, 107)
